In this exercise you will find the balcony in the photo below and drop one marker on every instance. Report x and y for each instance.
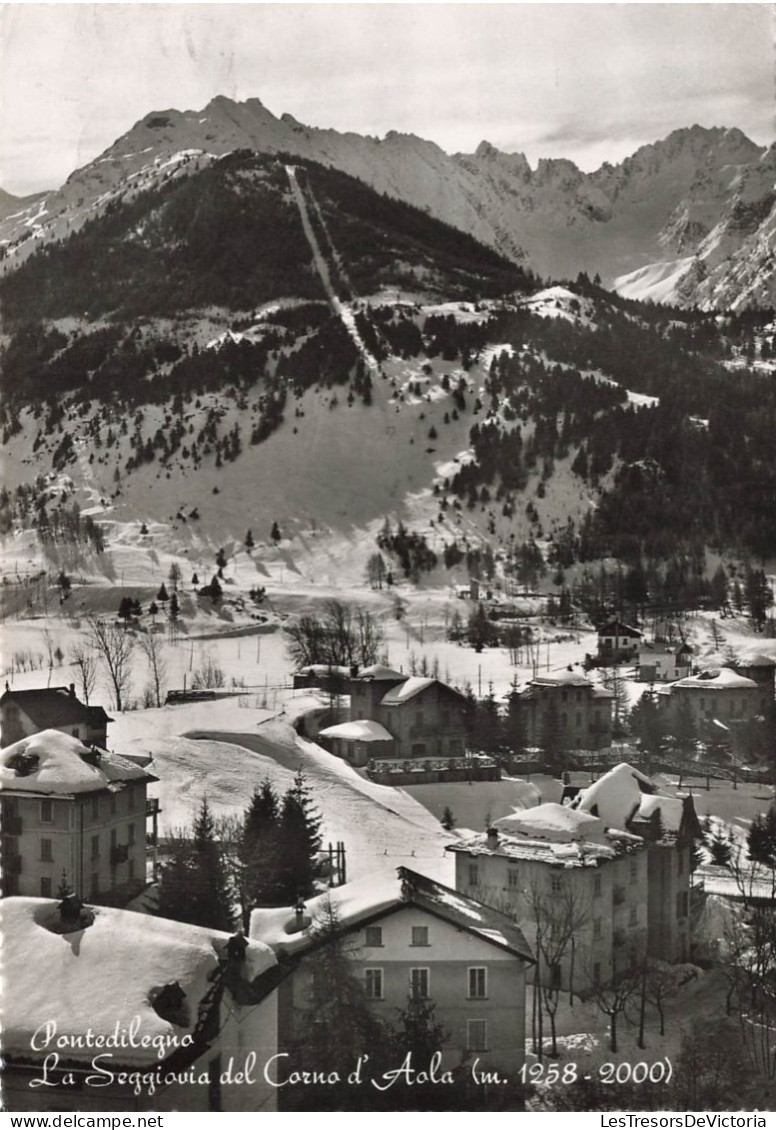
(618, 896)
(11, 825)
(119, 854)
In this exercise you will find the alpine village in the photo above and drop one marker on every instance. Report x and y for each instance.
(388, 638)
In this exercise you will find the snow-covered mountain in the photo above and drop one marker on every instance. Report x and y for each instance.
(680, 220)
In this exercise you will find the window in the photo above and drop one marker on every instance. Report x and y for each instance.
(95, 847)
(95, 885)
(680, 863)
(597, 973)
(95, 808)
(634, 915)
(130, 833)
(373, 980)
(113, 804)
(374, 936)
(681, 904)
(131, 869)
(474, 875)
(130, 799)
(45, 851)
(634, 869)
(513, 878)
(113, 839)
(420, 980)
(477, 1035)
(596, 927)
(596, 885)
(47, 812)
(420, 935)
(45, 887)
(556, 884)
(478, 982)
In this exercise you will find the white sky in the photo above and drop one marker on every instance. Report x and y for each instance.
(586, 81)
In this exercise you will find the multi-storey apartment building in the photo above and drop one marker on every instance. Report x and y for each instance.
(411, 938)
(564, 876)
(577, 711)
(71, 814)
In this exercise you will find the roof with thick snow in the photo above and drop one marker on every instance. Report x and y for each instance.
(556, 822)
(412, 687)
(54, 763)
(368, 900)
(55, 706)
(104, 975)
(722, 679)
(568, 677)
(659, 647)
(379, 673)
(360, 730)
(624, 794)
(556, 851)
(758, 660)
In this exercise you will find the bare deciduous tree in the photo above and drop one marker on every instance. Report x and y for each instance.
(153, 650)
(337, 638)
(113, 648)
(82, 658)
(559, 917)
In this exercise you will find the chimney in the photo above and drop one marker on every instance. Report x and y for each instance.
(72, 690)
(492, 839)
(236, 947)
(70, 909)
(299, 913)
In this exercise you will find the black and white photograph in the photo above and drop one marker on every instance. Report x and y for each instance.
(388, 559)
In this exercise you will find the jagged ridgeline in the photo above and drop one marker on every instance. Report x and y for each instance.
(80, 312)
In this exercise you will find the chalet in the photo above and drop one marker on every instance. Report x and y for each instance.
(23, 713)
(176, 1013)
(425, 718)
(410, 937)
(617, 643)
(75, 812)
(663, 662)
(567, 701)
(569, 881)
(719, 695)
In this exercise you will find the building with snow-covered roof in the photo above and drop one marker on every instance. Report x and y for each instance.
(761, 669)
(424, 717)
(577, 889)
(51, 708)
(617, 643)
(409, 937)
(718, 695)
(122, 1011)
(663, 662)
(357, 742)
(567, 708)
(626, 798)
(72, 813)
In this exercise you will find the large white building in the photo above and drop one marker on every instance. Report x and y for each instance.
(73, 814)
